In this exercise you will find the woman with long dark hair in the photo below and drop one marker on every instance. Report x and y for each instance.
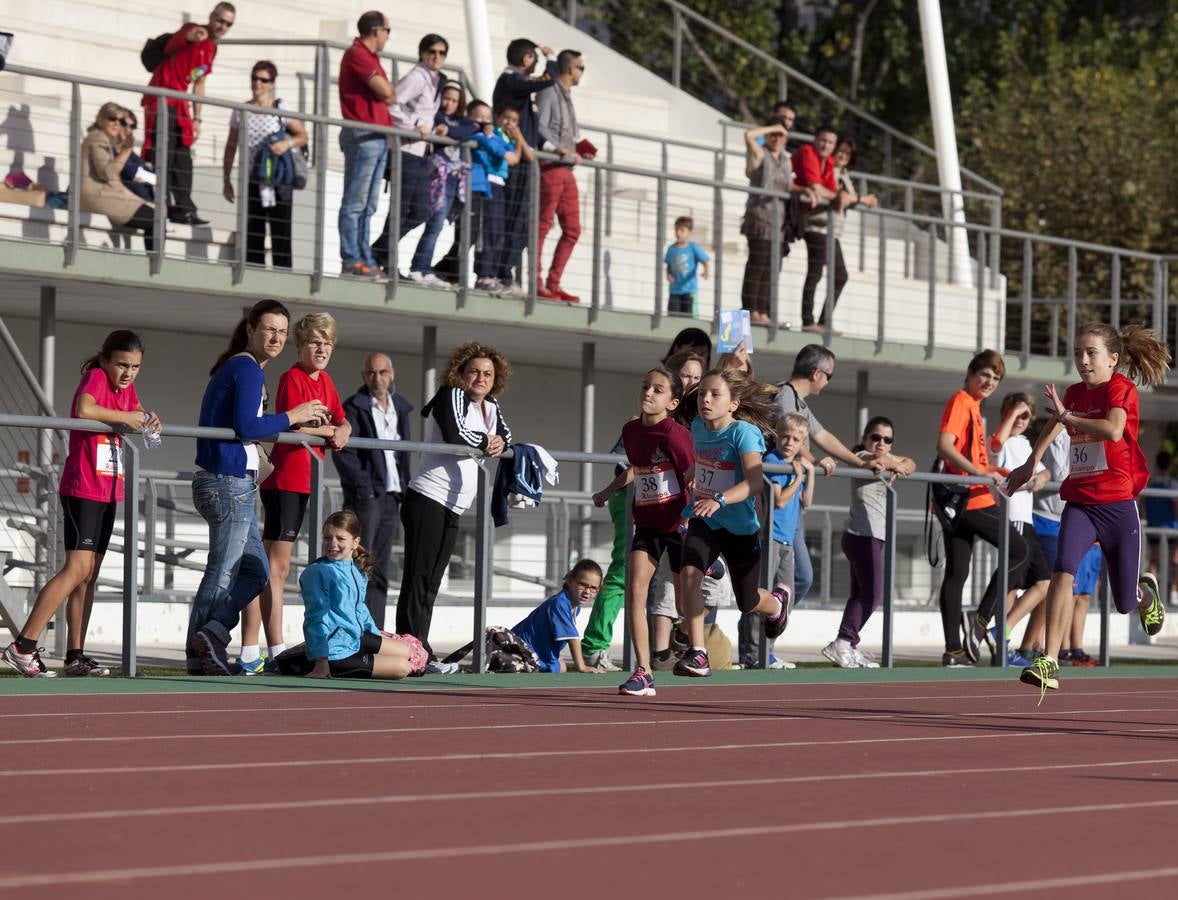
(226, 481)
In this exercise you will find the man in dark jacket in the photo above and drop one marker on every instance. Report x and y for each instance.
(374, 481)
(514, 89)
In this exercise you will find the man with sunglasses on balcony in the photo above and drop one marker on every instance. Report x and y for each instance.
(188, 59)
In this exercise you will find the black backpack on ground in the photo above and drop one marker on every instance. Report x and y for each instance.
(152, 53)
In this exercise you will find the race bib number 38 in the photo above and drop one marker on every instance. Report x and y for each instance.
(655, 484)
(1087, 456)
(713, 477)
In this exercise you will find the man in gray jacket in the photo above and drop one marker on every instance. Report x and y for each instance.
(558, 186)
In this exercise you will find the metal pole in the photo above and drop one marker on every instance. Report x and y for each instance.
(758, 625)
(996, 240)
(595, 295)
(533, 236)
(1115, 286)
(982, 342)
(828, 305)
(677, 47)
(74, 229)
(130, 556)
(862, 230)
(243, 186)
(660, 238)
(774, 269)
(881, 310)
(315, 505)
(319, 156)
(718, 235)
(464, 238)
(150, 514)
(170, 534)
(1071, 329)
(909, 262)
(429, 363)
(1028, 279)
(610, 181)
(1105, 613)
(46, 550)
(1002, 577)
(889, 576)
(1159, 304)
(932, 293)
(394, 237)
(627, 638)
(862, 395)
(160, 156)
(484, 548)
(588, 405)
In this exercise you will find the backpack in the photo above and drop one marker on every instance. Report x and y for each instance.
(288, 170)
(152, 54)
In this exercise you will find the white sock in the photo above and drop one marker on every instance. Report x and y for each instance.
(275, 649)
(250, 653)
(700, 649)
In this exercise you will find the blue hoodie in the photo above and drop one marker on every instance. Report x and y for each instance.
(334, 612)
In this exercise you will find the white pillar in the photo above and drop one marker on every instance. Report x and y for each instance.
(944, 136)
(478, 36)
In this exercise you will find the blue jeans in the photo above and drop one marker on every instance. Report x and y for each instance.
(414, 193)
(237, 568)
(423, 258)
(364, 160)
(803, 568)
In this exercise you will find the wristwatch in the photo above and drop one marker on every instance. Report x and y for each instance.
(720, 499)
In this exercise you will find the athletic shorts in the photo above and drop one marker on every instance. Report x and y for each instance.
(88, 523)
(656, 543)
(741, 552)
(1037, 568)
(358, 665)
(1087, 573)
(284, 514)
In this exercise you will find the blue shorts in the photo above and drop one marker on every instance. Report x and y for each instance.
(1087, 573)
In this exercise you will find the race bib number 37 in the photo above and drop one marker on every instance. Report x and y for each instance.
(713, 477)
(655, 484)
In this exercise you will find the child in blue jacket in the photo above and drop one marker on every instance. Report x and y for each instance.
(342, 640)
(498, 149)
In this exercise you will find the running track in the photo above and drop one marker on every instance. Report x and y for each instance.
(945, 788)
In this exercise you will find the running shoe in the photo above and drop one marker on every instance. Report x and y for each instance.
(1015, 657)
(253, 667)
(976, 633)
(640, 684)
(1082, 660)
(841, 654)
(28, 664)
(865, 659)
(436, 667)
(956, 659)
(1151, 610)
(84, 667)
(601, 660)
(663, 663)
(1041, 674)
(694, 665)
(211, 650)
(775, 663)
(775, 625)
(680, 642)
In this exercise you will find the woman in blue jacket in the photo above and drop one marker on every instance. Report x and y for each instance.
(225, 484)
(342, 639)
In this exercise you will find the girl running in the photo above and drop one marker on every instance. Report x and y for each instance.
(729, 446)
(342, 639)
(660, 455)
(1108, 471)
(91, 487)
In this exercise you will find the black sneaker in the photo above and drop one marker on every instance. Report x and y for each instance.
(214, 660)
(185, 217)
(694, 664)
(775, 625)
(956, 659)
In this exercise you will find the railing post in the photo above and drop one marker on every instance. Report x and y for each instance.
(150, 523)
(909, 262)
(1002, 577)
(718, 236)
(862, 229)
(677, 47)
(774, 271)
(464, 238)
(572, 12)
(767, 574)
(1071, 329)
(397, 172)
(1105, 602)
(1028, 278)
(660, 237)
(1159, 304)
(74, 229)
(881, 312)
(533, 236)
(598, 227)
(827, 555)
(130, 555)
(160, 155)
(315, 509)
(170, 534)
(610, 181)
(483, 557)
(828, 306)
(243, 186)
(996, 241)
(889, 576)
(932, 293)
(627, 640)
(982, 342)
(319, 155)
(1115, 291)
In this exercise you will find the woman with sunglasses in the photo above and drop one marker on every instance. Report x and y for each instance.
(863, 542)
(269, 206)
(104, 153)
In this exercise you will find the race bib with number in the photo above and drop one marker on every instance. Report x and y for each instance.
(713, 477)
(108, 456)
(655, 484)
(1087, 456)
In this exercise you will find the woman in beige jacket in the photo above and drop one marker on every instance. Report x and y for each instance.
(104, 151)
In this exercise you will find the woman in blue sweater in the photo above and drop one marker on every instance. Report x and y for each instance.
(225, 484)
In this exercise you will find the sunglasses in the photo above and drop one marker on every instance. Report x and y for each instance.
(880, 437)
(124, 122)
(259, 78)
(433, 52)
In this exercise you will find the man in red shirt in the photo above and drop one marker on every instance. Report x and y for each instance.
(364, 96)
(188, 59)
(813, 166)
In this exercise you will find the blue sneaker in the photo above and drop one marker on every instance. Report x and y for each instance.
(253, 667)
(1015, 657)
(270, 667)
(640, 684)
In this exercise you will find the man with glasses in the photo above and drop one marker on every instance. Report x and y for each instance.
(188, 59)
(813, 370)
(419, 93)
(364, 96)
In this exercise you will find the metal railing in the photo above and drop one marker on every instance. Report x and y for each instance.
(924, 238)
(483, 536)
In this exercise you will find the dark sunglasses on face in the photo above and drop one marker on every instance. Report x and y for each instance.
(122, 122)
(435, 52)
(880, 437)
(261, 79)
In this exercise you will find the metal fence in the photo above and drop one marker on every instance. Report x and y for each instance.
(144, 501)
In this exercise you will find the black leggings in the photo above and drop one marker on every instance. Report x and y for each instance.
(144, 220)
(975, 523)
(430, 533)
(758, 276)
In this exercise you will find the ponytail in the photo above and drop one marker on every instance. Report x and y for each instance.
(758, 404)
(121, 340)
(1138, 350)
(363, 561)
(240, 339)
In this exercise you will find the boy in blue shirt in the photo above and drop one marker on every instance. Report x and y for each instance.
(683, 259)
(498, 148)
(791, 494)
(552, 624)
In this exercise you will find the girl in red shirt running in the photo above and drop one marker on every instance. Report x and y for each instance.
(1108, 471)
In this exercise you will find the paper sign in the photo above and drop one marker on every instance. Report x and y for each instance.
(735, 327)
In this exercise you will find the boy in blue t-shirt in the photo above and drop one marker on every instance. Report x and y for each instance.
(683, 259)
(552, 624)
(500, 146)
(791, 494)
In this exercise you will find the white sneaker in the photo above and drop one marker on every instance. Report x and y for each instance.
(418, 277)
(429, 279)
(602, 661)
(865, 659)
(778, 663)
(28, 664)
(841, 654)
(437, 667)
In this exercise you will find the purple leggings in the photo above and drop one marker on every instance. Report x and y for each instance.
(865, 555)
(1118, 529)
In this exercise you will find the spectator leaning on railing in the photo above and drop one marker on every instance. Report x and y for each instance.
(268, 205)
(364, 96)
(188, 59)
(105, 152)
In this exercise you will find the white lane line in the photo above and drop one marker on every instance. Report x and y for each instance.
(907, 717)
(1020, 887)
(385, 799)
(549, 754)
(556, 700)
(220, 867)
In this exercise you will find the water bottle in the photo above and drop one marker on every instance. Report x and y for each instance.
(151, 438)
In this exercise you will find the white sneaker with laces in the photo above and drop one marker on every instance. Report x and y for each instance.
(429, 279)
(865, 659)
(841, 654)
(437, 667)
(28, 664)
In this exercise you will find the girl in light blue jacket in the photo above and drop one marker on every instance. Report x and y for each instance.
(342, 640)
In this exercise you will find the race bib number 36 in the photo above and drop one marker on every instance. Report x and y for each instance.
(655, 484)
(713, 477)
(1087, 456)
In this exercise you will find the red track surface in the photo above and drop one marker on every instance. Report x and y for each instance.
(852, 790)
